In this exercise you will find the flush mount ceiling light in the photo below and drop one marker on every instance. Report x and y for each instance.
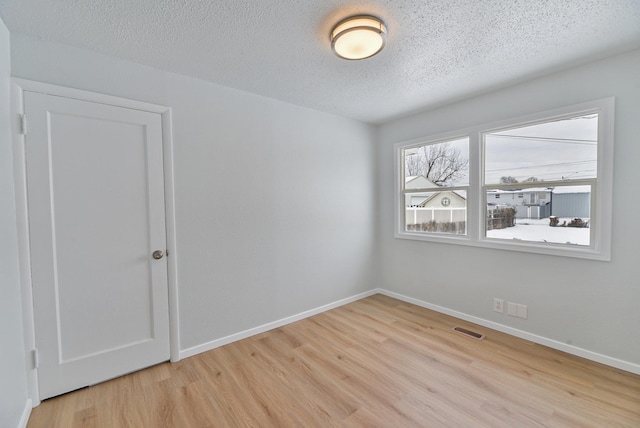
(358, 37)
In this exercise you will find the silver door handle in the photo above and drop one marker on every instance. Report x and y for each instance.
(158, 254)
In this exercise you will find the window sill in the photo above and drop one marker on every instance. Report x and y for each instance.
(581, 252)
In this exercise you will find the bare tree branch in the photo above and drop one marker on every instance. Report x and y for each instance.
(439, 163)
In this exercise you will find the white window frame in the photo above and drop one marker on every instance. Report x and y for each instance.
(601, 195)
(465, 188)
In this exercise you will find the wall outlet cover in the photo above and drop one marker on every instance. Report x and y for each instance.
(522, 311)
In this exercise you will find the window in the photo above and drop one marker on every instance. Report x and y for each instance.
(435, 184)
(541, 183)
(555, 159)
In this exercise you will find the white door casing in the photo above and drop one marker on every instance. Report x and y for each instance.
(95, 192)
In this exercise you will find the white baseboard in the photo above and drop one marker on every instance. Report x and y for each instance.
(270, 326)
(570, 349)
(24, 419)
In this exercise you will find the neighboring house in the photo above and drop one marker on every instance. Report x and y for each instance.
(571, 201)
(444, 206)
(529, 203)
(534, 203)
(417, 182)
(537, 203)
(441, 206)
(532, 196)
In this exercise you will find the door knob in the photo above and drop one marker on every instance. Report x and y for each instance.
(158, 254)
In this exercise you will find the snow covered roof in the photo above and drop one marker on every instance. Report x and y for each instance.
(572, 189)
(418, 182)
(527, 190)
(555, 190)
(458, 194)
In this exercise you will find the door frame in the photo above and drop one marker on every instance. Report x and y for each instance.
(18, 87)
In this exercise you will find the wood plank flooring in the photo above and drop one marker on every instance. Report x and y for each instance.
(377, 362)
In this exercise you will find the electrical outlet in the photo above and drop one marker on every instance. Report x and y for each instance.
(512, 309)
(522, 311)
(498, 305)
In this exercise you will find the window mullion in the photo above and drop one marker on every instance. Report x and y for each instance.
(475, 214)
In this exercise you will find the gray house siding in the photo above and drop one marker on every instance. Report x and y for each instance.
(571, 205)
(533, 211)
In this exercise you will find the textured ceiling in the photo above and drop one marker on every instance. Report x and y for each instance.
(437, 51)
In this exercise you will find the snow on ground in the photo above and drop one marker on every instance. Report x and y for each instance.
(540, 231)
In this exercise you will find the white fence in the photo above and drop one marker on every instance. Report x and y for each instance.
(419, 215)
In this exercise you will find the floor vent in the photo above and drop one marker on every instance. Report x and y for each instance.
(468, 333)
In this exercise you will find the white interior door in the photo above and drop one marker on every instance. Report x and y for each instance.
(95, 188)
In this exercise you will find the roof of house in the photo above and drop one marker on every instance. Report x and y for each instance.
(418, 182)
(572, 189)
(438, 193)
(527, 190)
(554, 190)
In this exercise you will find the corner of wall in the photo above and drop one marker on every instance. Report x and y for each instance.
(14, 402)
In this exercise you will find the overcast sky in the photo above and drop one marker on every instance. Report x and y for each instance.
(550, 151)
(563, 149)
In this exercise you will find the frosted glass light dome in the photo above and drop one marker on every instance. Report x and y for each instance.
(358, 37)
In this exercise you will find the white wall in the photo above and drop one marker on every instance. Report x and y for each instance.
(13, 383)
(591, 305)
(274, 202)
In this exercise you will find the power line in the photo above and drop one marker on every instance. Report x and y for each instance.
(556, 175)
(563, 140)
(515, 168)
(560, 175)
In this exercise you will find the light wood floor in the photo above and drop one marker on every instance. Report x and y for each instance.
(377, 362)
